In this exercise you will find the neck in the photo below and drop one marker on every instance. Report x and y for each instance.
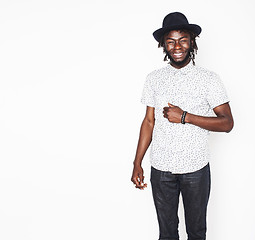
(180, 64)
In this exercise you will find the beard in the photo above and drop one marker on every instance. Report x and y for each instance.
(181, 62)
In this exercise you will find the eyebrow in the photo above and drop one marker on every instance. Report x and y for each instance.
(176, 39)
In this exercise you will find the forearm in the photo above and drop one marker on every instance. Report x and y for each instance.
(216, 124)
(144, 141)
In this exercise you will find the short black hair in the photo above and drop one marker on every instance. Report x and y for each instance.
(193, 48)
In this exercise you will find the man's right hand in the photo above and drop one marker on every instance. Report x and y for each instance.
(137, 177)
(144, 141)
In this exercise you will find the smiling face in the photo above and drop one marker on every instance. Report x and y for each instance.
(177, 46)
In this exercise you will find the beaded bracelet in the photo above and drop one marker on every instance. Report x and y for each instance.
(183, 117)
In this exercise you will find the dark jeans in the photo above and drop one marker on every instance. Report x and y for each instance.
(195, 190)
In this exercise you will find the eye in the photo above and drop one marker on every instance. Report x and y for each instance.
(170, 42)
(184, 41)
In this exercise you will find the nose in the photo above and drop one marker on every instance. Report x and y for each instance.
(177, 45)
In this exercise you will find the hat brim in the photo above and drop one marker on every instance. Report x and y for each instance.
(192, 27)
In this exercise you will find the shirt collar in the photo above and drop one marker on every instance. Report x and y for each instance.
(184, 70)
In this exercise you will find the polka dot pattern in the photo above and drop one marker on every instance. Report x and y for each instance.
(176, 147)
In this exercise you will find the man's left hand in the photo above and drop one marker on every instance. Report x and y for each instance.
(173, 113)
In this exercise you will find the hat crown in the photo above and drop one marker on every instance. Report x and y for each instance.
(175, 18)
(175, 21)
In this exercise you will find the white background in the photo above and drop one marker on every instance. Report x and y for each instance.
(71, 77)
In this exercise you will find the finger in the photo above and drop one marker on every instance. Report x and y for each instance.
(141, 177)
(138, 181)
(166, 110)
(138, 185)
(142, 187)
(165, 114)
(135, 181)
(170, 105)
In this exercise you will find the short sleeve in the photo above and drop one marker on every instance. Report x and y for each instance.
(148, 93)
(217, 94)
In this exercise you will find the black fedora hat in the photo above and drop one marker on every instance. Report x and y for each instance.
(175, 21)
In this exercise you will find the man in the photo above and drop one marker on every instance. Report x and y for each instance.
(180, 99)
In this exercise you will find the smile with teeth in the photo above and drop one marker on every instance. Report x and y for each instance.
(178, 54)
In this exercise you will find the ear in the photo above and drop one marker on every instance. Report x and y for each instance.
(191, 43)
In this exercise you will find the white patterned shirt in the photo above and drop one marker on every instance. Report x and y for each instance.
(181, 148)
